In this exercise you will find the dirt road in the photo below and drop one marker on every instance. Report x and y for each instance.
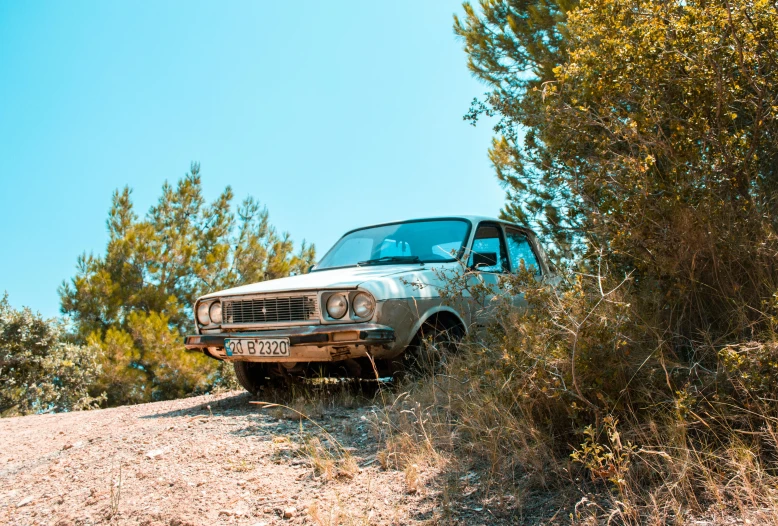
(205, 460)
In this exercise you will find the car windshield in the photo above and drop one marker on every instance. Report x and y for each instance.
(414, 242)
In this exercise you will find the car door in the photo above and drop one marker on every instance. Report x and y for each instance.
(521, 251)
(487, 262)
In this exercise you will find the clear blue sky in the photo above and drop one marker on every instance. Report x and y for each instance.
(332, 114)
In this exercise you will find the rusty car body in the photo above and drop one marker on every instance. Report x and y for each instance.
(368, 301)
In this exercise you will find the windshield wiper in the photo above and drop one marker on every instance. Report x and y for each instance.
(390, 259)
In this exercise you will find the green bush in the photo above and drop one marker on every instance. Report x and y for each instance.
(40, 370)
(642, 134)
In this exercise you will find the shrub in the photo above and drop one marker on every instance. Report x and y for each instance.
(40, 370)
(644, 131)
(582, 396)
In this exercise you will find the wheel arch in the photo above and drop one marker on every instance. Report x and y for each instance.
(444, 313)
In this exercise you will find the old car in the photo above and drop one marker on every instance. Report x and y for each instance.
(367, 304)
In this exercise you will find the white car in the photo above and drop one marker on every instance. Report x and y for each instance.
(375, 294)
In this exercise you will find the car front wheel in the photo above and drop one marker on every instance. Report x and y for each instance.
(251, 375)
(428, 351)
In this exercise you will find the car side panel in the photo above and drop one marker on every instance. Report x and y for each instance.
(406, 316)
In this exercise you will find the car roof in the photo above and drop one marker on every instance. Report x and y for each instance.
(475, 219)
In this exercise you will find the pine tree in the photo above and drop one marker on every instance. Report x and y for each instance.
(135, 302)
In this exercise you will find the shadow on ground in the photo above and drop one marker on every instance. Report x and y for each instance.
(237, 401)
(319, 397)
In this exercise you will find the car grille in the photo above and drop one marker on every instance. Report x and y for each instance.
(269, 310)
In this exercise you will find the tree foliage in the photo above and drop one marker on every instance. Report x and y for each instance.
(651, 138)
(39, 369)
(145, 361)
(515, 47)
(135, 302)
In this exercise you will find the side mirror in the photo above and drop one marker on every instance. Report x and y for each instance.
(311, 268)
(484, 259)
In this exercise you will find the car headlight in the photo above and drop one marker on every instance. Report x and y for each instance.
(202, 314)
(215, 312)
(337, 306)
(363, 305)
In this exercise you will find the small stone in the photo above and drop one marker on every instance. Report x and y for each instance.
(25, 501)
(154, 453)
(232, 513)
(289, 513)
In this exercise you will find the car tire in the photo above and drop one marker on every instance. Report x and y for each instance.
(427, 351)
(251, 375)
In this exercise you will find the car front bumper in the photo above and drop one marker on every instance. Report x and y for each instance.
(311, 343)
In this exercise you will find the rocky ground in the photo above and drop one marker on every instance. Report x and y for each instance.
(214, 459)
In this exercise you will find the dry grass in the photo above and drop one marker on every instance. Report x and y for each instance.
(115, 492)
(328, 457)
(615, 434)
(311, 399)
(336, 514)
(671, 471)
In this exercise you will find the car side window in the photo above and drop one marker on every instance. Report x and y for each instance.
(520, 249)
(488, 253)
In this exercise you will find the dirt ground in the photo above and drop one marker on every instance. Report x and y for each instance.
(214, 459)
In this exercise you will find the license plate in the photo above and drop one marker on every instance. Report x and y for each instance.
(269, 347)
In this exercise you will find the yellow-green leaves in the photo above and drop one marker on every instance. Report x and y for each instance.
(135, 302)
(653, 129)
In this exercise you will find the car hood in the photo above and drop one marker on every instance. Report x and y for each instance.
(342, 278)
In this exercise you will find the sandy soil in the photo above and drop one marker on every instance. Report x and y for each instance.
(205, 460)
